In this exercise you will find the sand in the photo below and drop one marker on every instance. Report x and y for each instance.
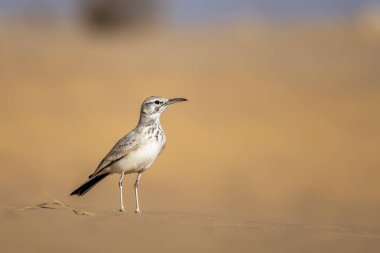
(276, 150)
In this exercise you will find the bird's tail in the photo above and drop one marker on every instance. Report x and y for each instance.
(84, 188)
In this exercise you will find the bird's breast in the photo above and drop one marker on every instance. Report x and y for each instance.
(142, 157)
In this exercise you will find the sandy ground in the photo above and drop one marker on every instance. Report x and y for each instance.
(276, 150)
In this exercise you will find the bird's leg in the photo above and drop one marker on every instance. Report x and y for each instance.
(121, 193)
(137, 193)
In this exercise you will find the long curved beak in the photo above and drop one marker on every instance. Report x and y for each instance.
(175, 100)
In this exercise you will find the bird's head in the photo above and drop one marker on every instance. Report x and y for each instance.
(152, 107)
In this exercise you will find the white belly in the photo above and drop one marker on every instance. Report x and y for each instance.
(140, 159)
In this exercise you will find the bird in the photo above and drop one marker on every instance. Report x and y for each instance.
(136, 151)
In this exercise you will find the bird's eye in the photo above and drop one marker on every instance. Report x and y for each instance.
(156, 102)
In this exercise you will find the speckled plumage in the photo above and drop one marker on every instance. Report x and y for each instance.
(136, 151)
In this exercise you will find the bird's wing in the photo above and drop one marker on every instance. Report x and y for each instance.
(120, 150)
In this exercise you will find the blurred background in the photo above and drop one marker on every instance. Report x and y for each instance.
(282, 123)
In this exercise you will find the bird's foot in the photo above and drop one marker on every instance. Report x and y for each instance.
(137, 211)
(122, 210)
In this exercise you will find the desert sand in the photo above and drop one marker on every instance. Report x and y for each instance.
(277, 149)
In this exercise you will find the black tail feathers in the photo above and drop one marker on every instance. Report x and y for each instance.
(84, 188)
